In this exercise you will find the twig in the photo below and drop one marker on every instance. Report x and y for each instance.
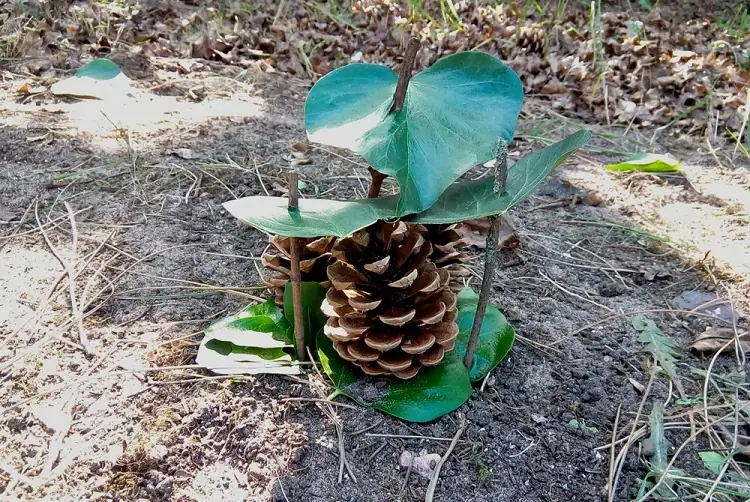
(436, 475)
(610, 482)
(375, 453)
(405, 74)
(501, 176)
(82, 337)
(299, 329)
(399, 96)
(375, 183)
(325, 406)
(406, 479)
(400, 436)
(368, 428)
(317, 400)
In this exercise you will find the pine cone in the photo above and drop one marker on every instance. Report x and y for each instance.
(390, 308)
(315, 256)
(448, 252)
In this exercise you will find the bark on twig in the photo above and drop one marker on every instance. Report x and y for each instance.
(501, 176)
(399, 96)
(375, 183)
(405, 74)
(430, 494)
(295, 278)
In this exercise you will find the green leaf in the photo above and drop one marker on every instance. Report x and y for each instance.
(315, 217)
(433, 393)
(495, 338)
(461, 201)
(313, 318)
(99, 69)
(261, 325)
(661, 347)
(226, 358)
(226, 348)
(255, 340)
(658, 440)
(346, 103)
(713, 461)
(454, 114)
(648, 163)
(659, 447)
(101, 79)
(476, 199)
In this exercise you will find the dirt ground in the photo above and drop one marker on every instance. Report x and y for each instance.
(131, 204)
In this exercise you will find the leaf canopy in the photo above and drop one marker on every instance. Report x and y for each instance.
(453, 116)
(461, 201)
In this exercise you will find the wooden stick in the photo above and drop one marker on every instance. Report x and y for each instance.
(501, 177)
(376, 182)
(436, 475)
(399, 96)
(405, 74)
(296, 279)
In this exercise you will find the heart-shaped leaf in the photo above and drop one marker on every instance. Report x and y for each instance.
(453, 116)
(433, 393)
(313, 318)
(252, 341)
(495, 338)
(461, 201)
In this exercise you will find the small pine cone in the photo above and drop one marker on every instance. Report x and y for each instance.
(390, 308)
(315, 256)
(448, 251)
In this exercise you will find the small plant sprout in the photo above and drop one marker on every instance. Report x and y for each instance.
(373, 286)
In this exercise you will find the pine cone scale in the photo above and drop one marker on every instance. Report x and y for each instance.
(315, 256)
(390, 308)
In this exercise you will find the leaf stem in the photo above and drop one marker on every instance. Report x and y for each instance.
(501, 176)
(336, 393)
(295, 277)
(405, 74)
(375, 183)
(399, 96)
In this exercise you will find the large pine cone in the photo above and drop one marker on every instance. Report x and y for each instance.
(315, 256)
(390, 308)
(448, 250)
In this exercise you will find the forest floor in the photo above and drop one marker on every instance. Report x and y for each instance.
(126, 198)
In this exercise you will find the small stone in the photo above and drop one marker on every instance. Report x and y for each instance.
(593, 199)
(165, 486)
(158, 452)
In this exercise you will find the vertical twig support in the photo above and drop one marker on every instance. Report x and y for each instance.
(399, 96)
(296, 279)
(501, 177)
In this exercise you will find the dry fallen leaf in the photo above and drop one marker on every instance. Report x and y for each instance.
(184, 153)
(638, 385)
(713, 339)
(474, 233)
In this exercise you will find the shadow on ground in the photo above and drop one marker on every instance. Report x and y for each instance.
(164, 258)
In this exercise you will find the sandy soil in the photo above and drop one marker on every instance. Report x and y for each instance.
(132, 206)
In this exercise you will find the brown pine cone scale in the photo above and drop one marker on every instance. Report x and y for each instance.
(391, 310)
(315, 256)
